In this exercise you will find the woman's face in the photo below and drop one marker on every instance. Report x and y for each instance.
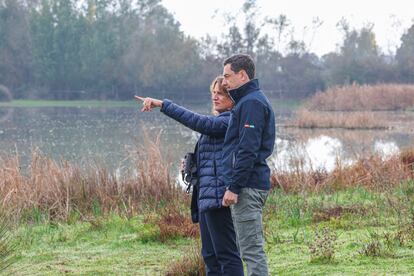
(221, 101)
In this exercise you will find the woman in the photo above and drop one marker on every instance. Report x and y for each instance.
(218, 238)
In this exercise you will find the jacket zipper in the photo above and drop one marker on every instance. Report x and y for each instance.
(215, 170)
(214, 159)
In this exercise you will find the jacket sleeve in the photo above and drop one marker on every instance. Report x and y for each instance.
(208, 125)
(253, 115)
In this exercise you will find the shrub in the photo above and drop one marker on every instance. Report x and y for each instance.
(323, 246)
(336, 212)
(173, 222)
(191, 264)
(378, 246)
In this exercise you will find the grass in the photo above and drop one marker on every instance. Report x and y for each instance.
(289, 242)
(277, 104)
(77, 103)
(291, 104)
(289, 258)
(7, 247)
(113, 244)
(118, 246)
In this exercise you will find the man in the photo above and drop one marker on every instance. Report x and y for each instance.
(248, 142)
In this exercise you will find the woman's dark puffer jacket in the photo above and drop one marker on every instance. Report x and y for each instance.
(209, 153)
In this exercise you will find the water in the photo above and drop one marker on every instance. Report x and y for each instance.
(108, 135)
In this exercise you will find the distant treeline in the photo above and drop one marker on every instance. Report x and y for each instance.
(112, 49)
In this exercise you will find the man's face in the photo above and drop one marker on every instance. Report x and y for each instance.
(233, 80)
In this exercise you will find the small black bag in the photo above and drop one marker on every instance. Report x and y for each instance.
(190, 178)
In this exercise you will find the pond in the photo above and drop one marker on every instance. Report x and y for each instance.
(86, 135)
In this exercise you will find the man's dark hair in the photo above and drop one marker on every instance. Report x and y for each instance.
(241, 62)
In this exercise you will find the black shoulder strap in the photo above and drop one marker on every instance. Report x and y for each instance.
(193, 177)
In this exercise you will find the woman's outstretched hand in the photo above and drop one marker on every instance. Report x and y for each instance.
(148, 103)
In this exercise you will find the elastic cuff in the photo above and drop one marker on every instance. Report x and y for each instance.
(234, 189)
(164, 104)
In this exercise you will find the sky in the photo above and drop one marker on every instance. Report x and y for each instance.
(390, 18)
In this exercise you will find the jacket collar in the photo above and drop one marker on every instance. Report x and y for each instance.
(238, 93)
(225, 113)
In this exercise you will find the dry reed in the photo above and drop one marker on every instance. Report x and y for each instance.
(191, 264)
(57, 189)
(363, 98)
(350, 120)
(174, 221)
(372, 173)
(355, 107)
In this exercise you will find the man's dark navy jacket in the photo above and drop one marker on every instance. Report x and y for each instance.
(249, 140)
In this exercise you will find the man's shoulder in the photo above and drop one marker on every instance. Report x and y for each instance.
(256, 96)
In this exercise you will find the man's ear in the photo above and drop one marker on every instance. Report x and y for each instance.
(245, 77)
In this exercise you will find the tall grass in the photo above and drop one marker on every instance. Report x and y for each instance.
(350, 120)
(191, 264)
(58, 189)
(354, 107)
(372, 173)
(363, 98)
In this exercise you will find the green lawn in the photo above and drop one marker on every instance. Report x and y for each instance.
(291, 104)
(374, 236)
(110, 246)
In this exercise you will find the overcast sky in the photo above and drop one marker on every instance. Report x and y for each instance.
(390, 18)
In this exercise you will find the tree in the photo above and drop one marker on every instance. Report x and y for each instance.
(359, 59)
(280, 25)
(56, 33)
(15, 46)
(405, 56)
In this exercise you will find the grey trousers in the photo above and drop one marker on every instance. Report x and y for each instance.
(247, 218)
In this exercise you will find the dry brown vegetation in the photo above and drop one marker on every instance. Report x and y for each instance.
(190, 264)
(363, 98)
(174, 221)
(372, 173)
(350, 120)
(355, 107)
(57, 189)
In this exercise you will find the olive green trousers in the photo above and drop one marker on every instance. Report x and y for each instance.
(247, 219)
